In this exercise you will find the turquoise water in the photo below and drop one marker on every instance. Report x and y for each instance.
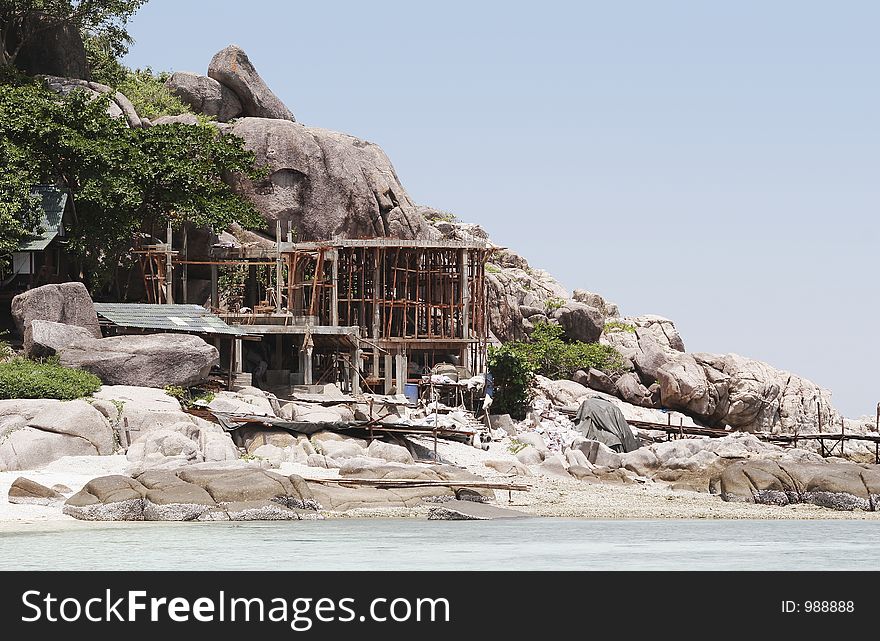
(531, 544)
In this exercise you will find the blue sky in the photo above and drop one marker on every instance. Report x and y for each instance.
(713, 162)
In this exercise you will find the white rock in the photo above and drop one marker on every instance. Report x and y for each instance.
(217, 447)
(534, 439)
(77, 418)
(26, 448)
(272, 453)
(235, 403)
(389, 452)
(508, 467)
(341, 449)
(529, 456)
(554, 465)
(642, 461)
(166, 442)
(317, 460)
(576, 457)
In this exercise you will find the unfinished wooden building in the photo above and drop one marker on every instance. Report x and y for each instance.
(374, 313)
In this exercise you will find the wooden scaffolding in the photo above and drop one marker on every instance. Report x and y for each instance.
(407, 304)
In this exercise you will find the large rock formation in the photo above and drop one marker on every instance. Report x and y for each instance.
(46, 338)
(237, 494)
(204, 493)
(142, 408)
(608, 309)
(233, 68)
(182, 443)
(55, 49)
(580, 322)
(717, 390)
(67, 303)
(841, 486)
(33, 433)
(119, 107)
(327, 183)
(514, 288)
(27, 492)
(156, 360)
(205, 95)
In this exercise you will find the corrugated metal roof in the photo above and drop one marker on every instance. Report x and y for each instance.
(173, 318)
(52, 221)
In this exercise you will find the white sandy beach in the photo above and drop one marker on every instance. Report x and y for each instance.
(548, 496)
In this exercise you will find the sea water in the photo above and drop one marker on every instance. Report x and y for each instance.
(401, 544)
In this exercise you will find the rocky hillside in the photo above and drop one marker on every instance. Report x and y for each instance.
(329, 184)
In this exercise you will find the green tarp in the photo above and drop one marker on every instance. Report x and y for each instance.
(601, 420)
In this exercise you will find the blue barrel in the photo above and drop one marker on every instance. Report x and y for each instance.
(411, 391)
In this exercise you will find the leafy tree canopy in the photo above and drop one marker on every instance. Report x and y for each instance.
(514, 364)
(23, 21)
(123, 180)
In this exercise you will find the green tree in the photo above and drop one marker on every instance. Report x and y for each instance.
(513, 365)
(19, 210)
(550, 355)
(103, 64)
(24, 21)
(513, 378)
(123, 180)
(149, 95)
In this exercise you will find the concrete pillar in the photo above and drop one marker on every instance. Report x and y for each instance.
(238, 356)
(169, 269)
(305, 364)
(376, 296)
(401, 366)
(356, 371)
(389, 373)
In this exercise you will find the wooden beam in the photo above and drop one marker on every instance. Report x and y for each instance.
(334, 291)
(279, 267)
(169, 280)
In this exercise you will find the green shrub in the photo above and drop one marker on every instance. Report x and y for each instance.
(441, 216)
(619, 326)
(548, 354)
(513, 365)
(492, 269)
(23, 378)
(6, 351)
(513, 378)
(149, 95)
(187, 397)
(553, 303)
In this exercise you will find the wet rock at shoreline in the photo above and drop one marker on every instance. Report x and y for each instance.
(193, 494)
(27, 492)
(837, 486)
(469, 511)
